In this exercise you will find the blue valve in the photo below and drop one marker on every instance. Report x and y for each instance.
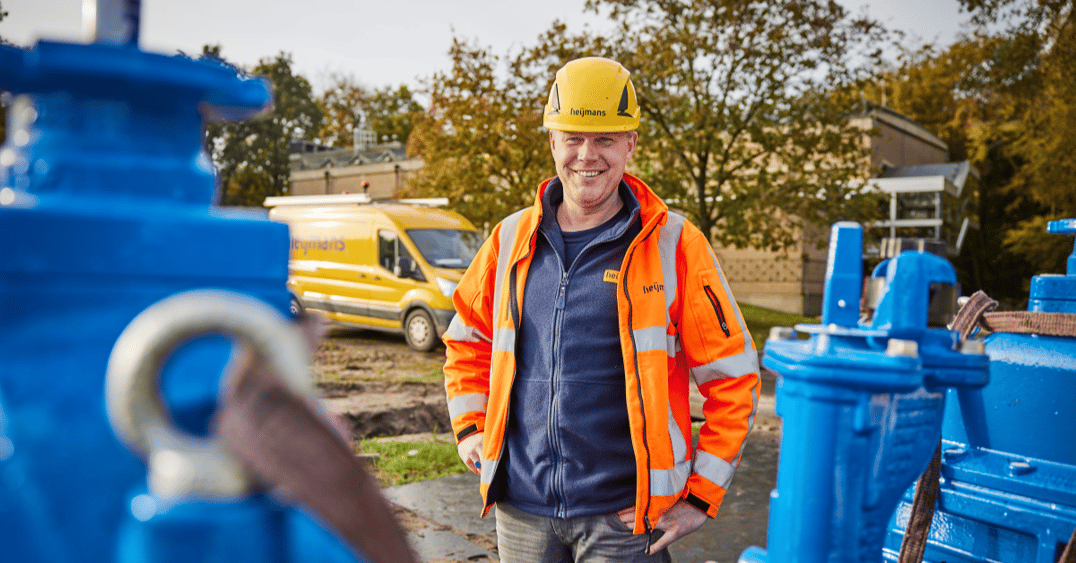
(844, 276)
(862, 406)
(107, 200)
(1065, 227)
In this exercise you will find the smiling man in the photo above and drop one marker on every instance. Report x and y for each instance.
(580, 326)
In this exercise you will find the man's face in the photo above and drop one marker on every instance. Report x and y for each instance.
(591, 165)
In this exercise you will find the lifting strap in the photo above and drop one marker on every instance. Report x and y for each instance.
(978, 311)
(927, 490)
(290, 446)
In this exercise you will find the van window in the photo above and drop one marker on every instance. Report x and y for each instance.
(446, 248)
(394, 257)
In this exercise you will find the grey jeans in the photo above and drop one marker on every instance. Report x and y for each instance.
(525, 538)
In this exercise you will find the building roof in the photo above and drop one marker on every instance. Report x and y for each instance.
(954, 175)
(349, 156)
(904, 123)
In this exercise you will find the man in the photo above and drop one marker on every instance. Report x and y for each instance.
(577, 328)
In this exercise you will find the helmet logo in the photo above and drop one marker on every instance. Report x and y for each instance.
(586, 112)
(554, 101)
(622, 111)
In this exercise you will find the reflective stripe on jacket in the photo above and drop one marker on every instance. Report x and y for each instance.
(677, 318)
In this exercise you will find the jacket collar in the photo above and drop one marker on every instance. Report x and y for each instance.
(650, 205)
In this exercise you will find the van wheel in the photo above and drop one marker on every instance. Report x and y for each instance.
(419, 330)
(295, 307)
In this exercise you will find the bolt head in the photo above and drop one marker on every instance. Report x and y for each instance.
(905, 348)
(972, 347)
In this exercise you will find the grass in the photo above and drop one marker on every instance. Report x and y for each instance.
(431, 372)
(760, 320)
(419, 460)
(406, 462)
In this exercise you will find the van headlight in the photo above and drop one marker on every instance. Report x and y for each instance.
(447, 287)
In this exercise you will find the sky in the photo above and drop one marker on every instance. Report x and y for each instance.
(383, 42)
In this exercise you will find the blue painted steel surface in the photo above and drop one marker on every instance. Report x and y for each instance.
(861, 407)
(1009, 470)
(255, 529)
(106, 207)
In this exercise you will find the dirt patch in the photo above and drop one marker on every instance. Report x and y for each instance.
(379, 385)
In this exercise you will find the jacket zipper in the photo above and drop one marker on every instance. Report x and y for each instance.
(558, 315)
(717, 309)
(639, 383)
(558, 318)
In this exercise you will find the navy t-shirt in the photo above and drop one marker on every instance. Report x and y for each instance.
(576, 241)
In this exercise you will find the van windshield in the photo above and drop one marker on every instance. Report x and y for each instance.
(446, 248)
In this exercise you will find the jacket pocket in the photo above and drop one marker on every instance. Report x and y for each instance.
(711, 296)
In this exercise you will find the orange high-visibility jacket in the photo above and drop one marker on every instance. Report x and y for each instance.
(689, 326)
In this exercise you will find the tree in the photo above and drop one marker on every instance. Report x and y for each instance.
(393, 113)
(1002, 100)
(743, 125)
(252, 157)
(4, 96)
(481, 139)
(973, 94)
(3, 14)
(1038, 136)
(1043, 143)
(389, 112)
(344, 103)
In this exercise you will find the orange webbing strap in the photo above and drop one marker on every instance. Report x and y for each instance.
(289, 446)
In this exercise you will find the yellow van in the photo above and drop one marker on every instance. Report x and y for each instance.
(388, 265)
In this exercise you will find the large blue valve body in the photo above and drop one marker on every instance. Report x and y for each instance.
(107, 205)
(255, 529)
(1009, 449)
(861, 407)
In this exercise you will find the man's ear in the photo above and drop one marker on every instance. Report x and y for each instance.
(552, 143)
(633, 141)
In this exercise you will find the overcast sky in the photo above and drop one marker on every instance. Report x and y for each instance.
(379, 42)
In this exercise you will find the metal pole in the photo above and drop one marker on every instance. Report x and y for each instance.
(111, 22)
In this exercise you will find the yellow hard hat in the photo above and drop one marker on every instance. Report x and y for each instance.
(592, 95)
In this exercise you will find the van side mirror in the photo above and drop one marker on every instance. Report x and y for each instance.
(405, 267)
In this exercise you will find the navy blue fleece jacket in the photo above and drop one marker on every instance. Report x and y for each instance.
(568, 449)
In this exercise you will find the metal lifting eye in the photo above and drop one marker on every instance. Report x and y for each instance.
(180, 464)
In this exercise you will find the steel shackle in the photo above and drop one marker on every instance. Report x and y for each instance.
(180, 464)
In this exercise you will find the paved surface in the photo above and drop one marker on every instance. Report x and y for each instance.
(446, 527)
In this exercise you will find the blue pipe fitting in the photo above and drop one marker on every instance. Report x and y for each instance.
(107, 206)
(103, 123)
(861, 406)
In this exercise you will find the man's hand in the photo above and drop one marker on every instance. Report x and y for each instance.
(470, 450)
(679, 521)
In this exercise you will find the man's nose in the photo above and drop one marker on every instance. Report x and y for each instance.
(587, 150)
